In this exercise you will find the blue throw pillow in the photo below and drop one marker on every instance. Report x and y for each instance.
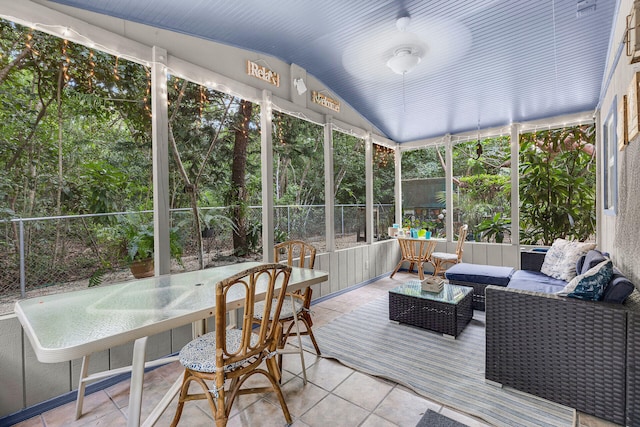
(590, 285)
(591, 259)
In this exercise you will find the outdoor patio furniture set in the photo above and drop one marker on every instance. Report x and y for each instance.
(580, 347)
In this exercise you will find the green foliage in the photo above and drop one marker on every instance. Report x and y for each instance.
(557, 185)
(280, 235)
(495, 227)
(254, 236)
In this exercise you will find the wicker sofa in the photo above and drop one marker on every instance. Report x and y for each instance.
(579, 353)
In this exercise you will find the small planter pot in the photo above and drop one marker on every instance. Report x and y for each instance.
(143, 268)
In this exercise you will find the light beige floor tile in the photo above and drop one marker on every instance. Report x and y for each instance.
(328, 374)
(261, 413)
(404, 408)
(192, 415)
(335, 411)
(96, 406)
(299, 397)
(375, 421)
(463, 418)
(363, 390)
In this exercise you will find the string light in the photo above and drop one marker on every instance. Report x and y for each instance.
(147, 96)
(29, 45)
(66, 60)
(92, 66)
(115, 70)
(382, 154)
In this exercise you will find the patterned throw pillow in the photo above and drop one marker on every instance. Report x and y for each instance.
(590, 285)
(560, 261)
(552, 264)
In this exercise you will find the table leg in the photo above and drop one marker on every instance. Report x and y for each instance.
(81, 385)
(137, 382)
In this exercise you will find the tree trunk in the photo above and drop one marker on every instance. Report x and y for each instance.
(238, 196)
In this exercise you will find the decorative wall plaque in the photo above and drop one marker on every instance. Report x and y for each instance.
(263, 73)
(325, 101)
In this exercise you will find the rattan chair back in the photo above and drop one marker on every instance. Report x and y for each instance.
(293, 250)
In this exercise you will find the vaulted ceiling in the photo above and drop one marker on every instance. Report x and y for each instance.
(484, 63)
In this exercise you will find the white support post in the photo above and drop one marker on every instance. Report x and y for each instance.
(449, 186)
(515, 184)
(368, 168)
(329, 197)
(398, 184)
(266, 149)
(160, 153)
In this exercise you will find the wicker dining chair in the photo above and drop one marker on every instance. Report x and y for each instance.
(296, 253)
(440, 259)
(415, 252)
(232, 354)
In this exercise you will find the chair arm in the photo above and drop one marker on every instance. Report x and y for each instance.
(563, 349)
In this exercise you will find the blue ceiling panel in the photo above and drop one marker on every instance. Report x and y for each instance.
(487, 62)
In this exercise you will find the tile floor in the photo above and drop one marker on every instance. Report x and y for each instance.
(334, 396)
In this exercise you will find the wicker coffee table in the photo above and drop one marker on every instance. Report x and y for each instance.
(447, 312)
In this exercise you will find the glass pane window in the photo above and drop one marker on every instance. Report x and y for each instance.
(383, 190)
(482, 189)
(298, 167)
(423, 190)
(558, 184)
(349, 190)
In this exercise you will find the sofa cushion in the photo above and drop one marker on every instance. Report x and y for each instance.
(535, 281)
(590, 285)
(562, 258)
(590, 260)
(618, 288)
(482, 274)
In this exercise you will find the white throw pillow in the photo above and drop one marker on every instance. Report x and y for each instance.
(560, 261)
(552, 264)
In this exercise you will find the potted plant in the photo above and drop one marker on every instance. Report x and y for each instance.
(138, 247)
(495, 227)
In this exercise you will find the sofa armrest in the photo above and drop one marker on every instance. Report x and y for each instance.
(570, 351)
(633, 359)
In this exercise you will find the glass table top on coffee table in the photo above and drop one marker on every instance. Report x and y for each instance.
(446, 312)
(450, 293)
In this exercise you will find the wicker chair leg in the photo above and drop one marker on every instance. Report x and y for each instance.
(276, 388)
(396, 269)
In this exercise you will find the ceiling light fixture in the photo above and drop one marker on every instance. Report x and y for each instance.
(404, 60)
